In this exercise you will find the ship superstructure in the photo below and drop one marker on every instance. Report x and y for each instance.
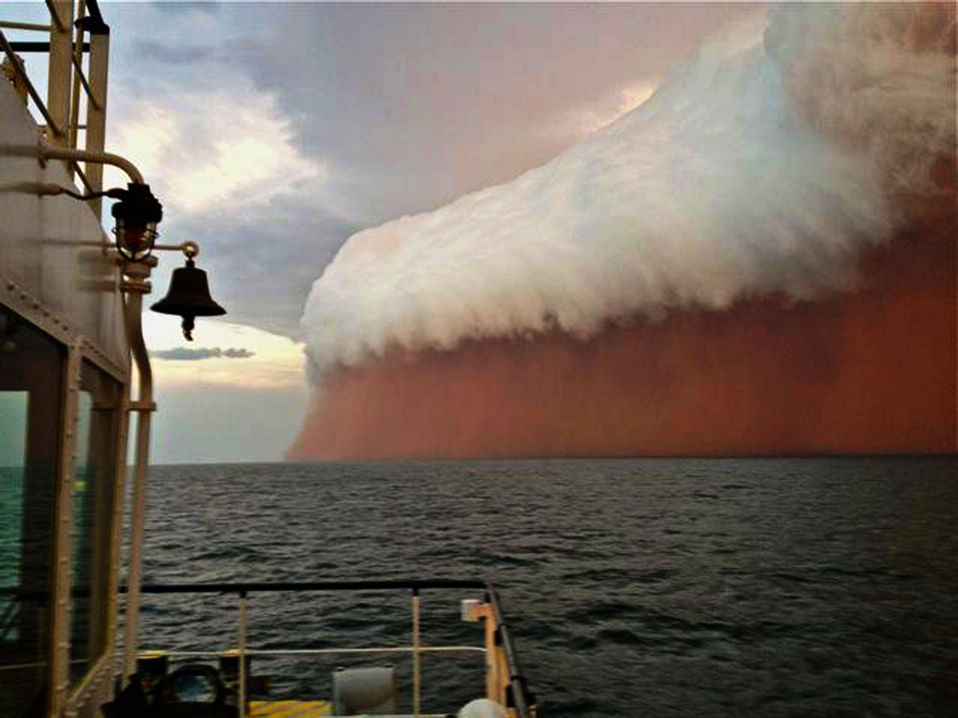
(64, 374)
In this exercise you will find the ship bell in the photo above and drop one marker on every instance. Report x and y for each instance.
(188, 297)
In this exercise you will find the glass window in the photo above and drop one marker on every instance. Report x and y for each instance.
(31, 367)
(13, 449)
(94, 479)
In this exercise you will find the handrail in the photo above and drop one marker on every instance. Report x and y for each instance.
(29, 26)
(137, 285)
(329, 651)
(518, 695)
(61, 110)
(266, 586)
(55, 14)
(294, 586)
(31, 46)
(522, 699)
(83, 178)
(84, 83)
(34, 95)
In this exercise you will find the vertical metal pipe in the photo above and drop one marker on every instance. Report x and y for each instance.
(59, 608)
(136, 286)
(96, 110)
(416, 655)
(242, 655)
(138, 517)
(494, 689)
(60, 71)
(116, 519)
(74, 128)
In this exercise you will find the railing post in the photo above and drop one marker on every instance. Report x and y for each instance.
(493, 681)
(416, 676)
(242, 656)
(60, 71)
(74, 129)
(96, 108)
(136, 285)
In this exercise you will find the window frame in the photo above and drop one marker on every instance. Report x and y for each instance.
(75, 351)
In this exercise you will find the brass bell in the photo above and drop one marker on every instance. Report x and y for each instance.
(188, 297)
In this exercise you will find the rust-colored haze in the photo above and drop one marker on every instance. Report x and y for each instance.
(866, 372)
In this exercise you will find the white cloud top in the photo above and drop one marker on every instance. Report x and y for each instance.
(761, 166)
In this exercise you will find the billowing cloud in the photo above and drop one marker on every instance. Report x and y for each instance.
(583, 121)
(188, 354)
(355, 136)
(753, 170)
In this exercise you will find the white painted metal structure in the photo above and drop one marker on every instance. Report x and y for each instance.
(62, 285)
(505, 685)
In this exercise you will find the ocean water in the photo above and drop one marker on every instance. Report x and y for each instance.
(732, 587)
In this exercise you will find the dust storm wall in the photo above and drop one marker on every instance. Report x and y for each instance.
(758, 260)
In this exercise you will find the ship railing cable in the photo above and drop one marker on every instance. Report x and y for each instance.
(518, 696)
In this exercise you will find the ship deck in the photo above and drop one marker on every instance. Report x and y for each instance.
(290, 709)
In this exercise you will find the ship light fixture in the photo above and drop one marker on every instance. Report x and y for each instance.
(136, 214)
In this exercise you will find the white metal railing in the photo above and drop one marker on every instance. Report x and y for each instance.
(243, 652)
(416, 649)
(505, 683)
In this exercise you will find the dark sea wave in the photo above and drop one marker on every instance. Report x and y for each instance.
(785, 587)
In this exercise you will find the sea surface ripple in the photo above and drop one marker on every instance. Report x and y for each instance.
(745, 587)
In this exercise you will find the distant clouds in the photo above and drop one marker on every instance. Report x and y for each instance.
(184, 354)
(199, 161)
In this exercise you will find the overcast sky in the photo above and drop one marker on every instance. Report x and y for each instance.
(271, 132)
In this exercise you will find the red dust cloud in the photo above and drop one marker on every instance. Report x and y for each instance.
(867, 372)
(868, 369)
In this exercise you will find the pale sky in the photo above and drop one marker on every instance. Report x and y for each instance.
(271, 132)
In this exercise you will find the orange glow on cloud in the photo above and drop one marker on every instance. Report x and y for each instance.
(454, 333)
(872, 371)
